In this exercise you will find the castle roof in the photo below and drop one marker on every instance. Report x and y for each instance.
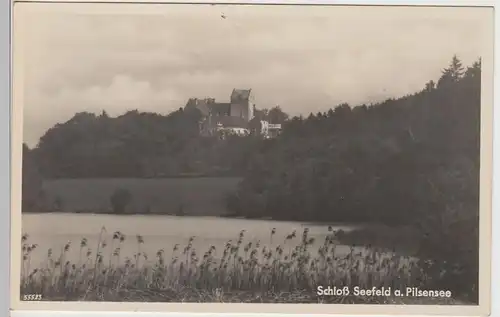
(208, 105)
(199, 104)
(220, 108)
(240, 95)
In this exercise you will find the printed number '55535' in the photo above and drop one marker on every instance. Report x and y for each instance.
(32, 297)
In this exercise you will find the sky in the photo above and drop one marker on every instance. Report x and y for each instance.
(306, 59)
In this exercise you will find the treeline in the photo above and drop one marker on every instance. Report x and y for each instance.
(143, 145)
(379, 162)
(136, 144)
(410, 161)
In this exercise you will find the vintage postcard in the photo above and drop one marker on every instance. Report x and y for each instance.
(252, 158)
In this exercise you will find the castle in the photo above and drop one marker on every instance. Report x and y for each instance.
(236, 116)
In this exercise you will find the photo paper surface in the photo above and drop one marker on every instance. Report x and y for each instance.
(252, 158)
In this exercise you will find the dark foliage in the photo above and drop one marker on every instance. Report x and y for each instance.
(119, 200)
(138, 144)
(410, 161)
(31, 182)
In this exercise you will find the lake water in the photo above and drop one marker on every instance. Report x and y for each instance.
(159, 232)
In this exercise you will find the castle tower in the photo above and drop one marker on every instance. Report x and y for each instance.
(242, 104)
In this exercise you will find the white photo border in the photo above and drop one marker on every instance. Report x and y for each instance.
(5, 176)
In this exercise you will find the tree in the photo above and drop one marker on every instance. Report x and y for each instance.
(453, 73)
(104, 114)
(474, 71)
(430, 86)
(277, 115)
(262, 114)
(119, 200)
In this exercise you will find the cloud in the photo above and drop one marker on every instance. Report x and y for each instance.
(306, 59)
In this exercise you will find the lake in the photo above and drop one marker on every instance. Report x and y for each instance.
(54, 230)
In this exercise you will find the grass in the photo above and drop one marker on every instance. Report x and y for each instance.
(202, 196)
(240, 272)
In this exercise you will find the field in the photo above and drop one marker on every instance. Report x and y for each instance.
(240, 272)
(191, 196)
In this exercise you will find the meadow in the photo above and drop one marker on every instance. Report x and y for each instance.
(194, 196)
(241, 271)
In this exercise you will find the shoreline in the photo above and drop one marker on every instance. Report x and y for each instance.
(259, 275)
(402, 239)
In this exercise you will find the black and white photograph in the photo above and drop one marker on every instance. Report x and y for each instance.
(253, 153)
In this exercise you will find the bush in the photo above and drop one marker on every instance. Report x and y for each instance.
(120, 199)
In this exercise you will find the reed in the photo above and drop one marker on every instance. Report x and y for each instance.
(242, 271)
